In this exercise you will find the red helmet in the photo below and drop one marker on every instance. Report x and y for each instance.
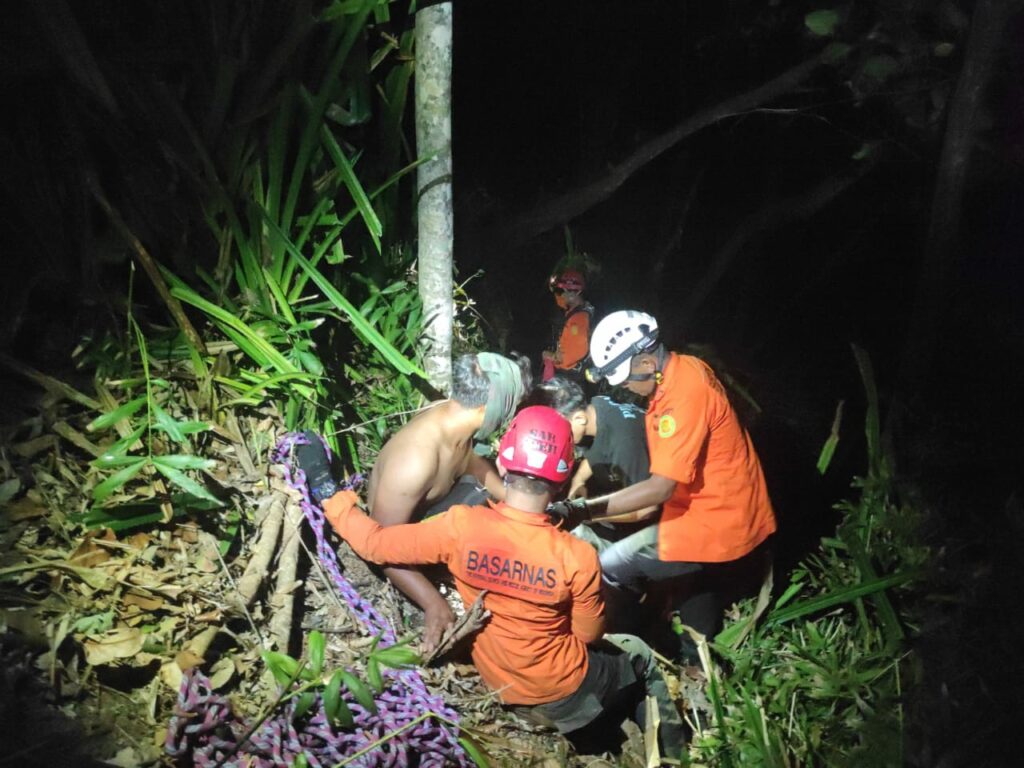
(569, 280)
(538, 442)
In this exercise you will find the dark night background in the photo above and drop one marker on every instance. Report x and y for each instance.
(548, 96)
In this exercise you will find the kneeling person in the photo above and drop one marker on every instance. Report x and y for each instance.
(543, 587)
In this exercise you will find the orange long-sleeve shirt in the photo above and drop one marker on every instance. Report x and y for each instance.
(574, 340)
(720, 508)
(543, 588)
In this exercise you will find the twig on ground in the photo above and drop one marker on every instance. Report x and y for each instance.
(465, 625)
(262, 553)
(282, 602)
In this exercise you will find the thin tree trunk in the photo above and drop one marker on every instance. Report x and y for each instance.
(434, 184)
(988, 25)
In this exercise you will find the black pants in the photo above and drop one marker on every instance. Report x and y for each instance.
(698, 592)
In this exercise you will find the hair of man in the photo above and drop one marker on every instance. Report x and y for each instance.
(471, 386)
(562, 394)
(534, 486)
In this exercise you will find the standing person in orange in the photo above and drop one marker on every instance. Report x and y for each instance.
(542, 584)
(716, 515)
(569, 356)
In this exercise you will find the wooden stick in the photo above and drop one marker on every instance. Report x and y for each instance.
(465, 625)
(150, 265)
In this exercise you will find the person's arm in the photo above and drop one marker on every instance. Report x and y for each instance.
(398, 493)
(652, 492)
(413, 543)
(628, 517)
(579, 480)
(487, 475)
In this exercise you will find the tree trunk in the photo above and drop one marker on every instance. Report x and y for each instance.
(434, 186)
(988, 26)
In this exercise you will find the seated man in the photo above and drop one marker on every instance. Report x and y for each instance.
(712, 539)
(616, 457)
(430, 464)
(542, 586)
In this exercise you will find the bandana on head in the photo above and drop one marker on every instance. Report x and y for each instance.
(505, 393)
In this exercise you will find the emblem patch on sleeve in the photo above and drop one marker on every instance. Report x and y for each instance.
(666, 426)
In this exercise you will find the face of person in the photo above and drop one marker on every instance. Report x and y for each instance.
(642, 365)
(578, 422)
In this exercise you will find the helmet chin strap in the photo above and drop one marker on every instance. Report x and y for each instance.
(645, 377)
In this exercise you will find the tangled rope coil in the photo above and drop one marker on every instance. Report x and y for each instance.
(205, 731)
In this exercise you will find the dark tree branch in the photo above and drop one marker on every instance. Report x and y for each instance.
(567, 206)
(771, 216)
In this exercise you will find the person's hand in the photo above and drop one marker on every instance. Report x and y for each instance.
(437, 619)
(312, 459)
(578, 491)
(572, 511)
(547, 356)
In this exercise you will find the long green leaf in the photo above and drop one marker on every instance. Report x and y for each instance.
(122, 412)
(362, 328)
(314, 117)
(268, 356)
(348, 176)
(182, 461)
(359, 690)
(116, 480)
(184, 481)
(839, 596)
(113, 455)
(335, 708)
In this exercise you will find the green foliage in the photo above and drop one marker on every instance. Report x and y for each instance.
(816, 680)
(304, 679)
(134, 454)
(822, 23)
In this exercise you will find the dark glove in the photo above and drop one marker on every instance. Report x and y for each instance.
(312, 459)
(571, 511)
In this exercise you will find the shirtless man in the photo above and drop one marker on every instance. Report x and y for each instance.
(430, 465)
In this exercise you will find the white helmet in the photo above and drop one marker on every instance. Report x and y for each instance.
(615, 340)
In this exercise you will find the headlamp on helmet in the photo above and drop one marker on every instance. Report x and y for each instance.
(569, 280)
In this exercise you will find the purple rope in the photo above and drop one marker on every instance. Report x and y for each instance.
(204, 729)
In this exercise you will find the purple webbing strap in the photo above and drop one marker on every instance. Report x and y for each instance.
(204, 729)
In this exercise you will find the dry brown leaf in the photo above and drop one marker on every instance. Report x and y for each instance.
(221, 673)
(37, 445)
(119, 643)
(187, 659)
(25, 508)
(144, 602)
(171, 675)
(88, 554)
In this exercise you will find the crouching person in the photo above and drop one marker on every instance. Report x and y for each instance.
(542, 648)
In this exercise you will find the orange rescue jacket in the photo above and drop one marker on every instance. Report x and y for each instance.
(720, 508)
(543, 588)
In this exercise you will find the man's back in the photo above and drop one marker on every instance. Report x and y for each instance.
(618, 456)
(419, 461)
(543, 590)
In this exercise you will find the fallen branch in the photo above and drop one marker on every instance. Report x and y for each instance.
(282, 602)
(465, 625)
(262, 553)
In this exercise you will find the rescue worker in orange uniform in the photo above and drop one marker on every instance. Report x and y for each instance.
(569, 355)
(539, 650)
(716, 516)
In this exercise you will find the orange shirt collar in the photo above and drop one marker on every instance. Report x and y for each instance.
(518, 515)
